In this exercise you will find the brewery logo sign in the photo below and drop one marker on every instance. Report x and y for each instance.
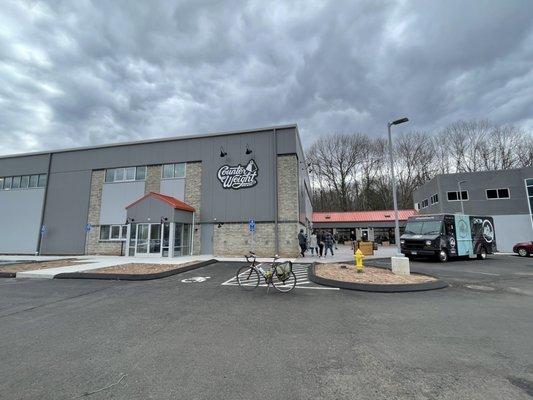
(238, 177)
(488, 231)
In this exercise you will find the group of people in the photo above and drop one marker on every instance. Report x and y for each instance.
(318, 242)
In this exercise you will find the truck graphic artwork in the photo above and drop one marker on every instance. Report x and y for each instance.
(238, 177)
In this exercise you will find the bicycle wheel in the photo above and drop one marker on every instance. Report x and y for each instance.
(247, 278)
(284, 286)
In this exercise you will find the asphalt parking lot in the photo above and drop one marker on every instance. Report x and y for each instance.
(168, 339)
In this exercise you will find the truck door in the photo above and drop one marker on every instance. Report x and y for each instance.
(449, 235)
(463, 235)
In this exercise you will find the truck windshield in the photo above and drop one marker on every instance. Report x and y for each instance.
(423, 227)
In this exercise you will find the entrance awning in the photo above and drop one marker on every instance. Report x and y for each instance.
(154, 207)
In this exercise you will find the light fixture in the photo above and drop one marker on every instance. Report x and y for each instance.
(164, 219)
(399, 121)
(248, 151)
(222, 152)
(129, 220)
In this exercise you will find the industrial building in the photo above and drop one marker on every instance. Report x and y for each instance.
(220, 194)
(505, 195)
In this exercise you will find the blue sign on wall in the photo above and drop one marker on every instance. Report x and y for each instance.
(43, 230)
(88, 227)
(251, 225)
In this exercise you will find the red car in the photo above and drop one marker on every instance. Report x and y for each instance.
(523, 249)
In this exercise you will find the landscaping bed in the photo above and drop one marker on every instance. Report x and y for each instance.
(10, 270)
(135, 271)
(139, 268)
(373, 279)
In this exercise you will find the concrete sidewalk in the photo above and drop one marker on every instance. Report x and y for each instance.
(342, 254)
(345, 253)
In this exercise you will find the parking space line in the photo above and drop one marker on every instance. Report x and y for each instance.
(300, 271)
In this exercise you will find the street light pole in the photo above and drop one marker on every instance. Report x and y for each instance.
(393, 177)
(461, 196)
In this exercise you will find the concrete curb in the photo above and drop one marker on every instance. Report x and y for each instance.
(132, 277)
(368, 287)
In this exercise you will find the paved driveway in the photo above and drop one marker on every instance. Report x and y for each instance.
(167, 339)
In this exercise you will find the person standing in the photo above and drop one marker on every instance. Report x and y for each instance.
(320, 242)
(353, 239)
(328, 242)
(302, 241)
(313, 244)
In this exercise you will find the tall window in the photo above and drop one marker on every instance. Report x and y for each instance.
(127, 174)
(171, 171)
(434, 199)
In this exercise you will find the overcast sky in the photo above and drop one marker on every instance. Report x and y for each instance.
(81, 72)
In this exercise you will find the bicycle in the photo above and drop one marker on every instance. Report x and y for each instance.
(280, 275)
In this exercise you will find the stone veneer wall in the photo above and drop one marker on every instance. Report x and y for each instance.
(153, 179)
(233, 239)
(93, 243)
(193, 197)
(288, 206)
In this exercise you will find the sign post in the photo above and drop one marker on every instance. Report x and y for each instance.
(251, 229)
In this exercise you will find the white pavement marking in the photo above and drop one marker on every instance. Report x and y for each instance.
(301, 279)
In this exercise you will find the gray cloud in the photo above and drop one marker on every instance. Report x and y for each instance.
(81, 73)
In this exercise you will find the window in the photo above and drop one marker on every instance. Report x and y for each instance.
(417, 206)
(42, 181)
(125, 174)
(425, 203)
(493, 194)
(171, 171)
(113, 232)
(140, 173)
(7, 183)
(529, 186)
(22, 182)
(16, 182)
(434, 199)
(34, 179)
(454, 196)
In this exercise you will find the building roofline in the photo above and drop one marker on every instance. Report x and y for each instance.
(156, 140)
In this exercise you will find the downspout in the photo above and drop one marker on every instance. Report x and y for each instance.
(40, 237)
(276, 208)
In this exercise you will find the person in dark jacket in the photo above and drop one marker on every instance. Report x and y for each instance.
(320, 242)
(302, 241)
(328, 243)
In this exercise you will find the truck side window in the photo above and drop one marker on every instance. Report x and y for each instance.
(449, 228)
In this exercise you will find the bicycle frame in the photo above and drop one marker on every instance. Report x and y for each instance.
(272, 267)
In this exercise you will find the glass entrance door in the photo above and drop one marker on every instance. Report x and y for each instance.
(148, 240)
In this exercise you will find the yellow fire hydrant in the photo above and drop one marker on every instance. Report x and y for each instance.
(359, 261)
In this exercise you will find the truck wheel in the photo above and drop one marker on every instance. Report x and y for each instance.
(443, 256)
(482, 254)
(522, 252)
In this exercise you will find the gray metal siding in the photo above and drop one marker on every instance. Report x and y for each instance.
(174, 188)
(24, 165)
(66, 213)
(512, 229)
(20, 220)
(115, 198)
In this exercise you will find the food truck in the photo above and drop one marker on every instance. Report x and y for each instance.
(446, 236)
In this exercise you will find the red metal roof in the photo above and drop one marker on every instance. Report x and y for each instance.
(177, 204)
(362, 216)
